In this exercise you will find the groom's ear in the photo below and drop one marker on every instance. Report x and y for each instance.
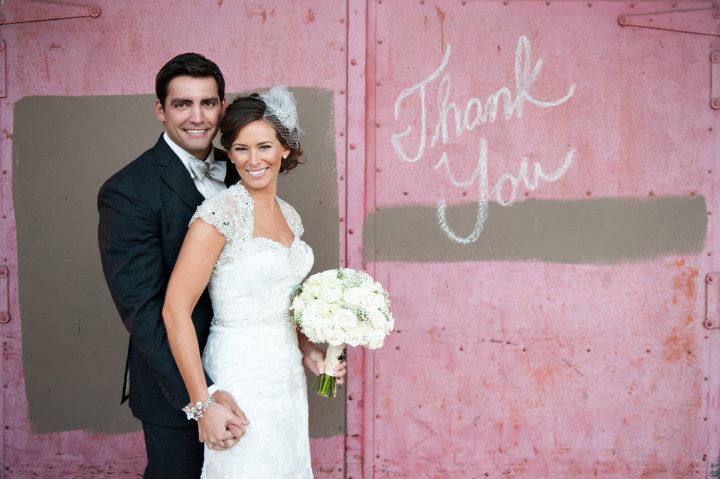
(223, 105)
(159, 111)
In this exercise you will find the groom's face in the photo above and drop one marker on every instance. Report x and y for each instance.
(191, 113)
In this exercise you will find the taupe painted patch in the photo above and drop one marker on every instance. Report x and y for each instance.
(73, 341)
(609, 230)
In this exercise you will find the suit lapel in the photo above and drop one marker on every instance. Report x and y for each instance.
(175, 175)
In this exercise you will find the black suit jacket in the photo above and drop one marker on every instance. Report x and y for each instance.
(144, 212)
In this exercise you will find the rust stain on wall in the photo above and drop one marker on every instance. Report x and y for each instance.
(678, 345)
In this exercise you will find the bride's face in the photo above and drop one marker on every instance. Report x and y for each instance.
(257, 154)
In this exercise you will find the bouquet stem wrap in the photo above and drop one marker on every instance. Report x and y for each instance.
(326, 383)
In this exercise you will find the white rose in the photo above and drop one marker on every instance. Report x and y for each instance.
(372, 301)
(331, 294)
(354, 337)
(298, 305)
(377, 319)
(345, 319)
(376, 340)
(354, 296)
(336, 337)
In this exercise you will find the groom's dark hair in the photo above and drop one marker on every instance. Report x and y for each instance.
(188, 64)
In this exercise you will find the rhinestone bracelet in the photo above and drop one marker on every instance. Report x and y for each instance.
(196, 411)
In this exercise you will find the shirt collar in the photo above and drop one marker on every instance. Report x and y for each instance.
(184, 156)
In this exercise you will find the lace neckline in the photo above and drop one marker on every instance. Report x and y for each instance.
(244, 194)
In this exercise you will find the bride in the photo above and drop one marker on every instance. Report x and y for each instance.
(246, 242)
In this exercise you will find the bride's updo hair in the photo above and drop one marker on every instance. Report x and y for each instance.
(245, 110)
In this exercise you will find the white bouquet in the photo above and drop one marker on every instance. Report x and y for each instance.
(338, 307)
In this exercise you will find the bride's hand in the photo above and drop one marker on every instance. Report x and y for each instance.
(314, 359)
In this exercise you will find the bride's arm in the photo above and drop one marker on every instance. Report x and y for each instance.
(200, 250)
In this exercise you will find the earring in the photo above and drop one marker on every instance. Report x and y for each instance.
(284, 157)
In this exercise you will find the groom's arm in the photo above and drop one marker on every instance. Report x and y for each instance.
(131, 254)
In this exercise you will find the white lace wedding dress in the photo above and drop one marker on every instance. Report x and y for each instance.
(252, 351)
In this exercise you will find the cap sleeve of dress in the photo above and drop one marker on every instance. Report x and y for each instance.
(220, 211)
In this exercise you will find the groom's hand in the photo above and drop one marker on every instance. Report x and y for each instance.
(223, 424)
(240, 422)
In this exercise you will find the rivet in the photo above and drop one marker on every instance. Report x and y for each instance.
(674, 4)
(505, 2)
(632, 5)
(4, 272)
(405, 193)
(377, 124)
(353, 146)
(715, 103)
(2, 18)
(342, 49)
(651, 194)
(4, 317)
(378, 83)
(351, 231)
(95, 11)
(2, 49)
(709, 323)
(353, 62)
(341, 134)
(380, 42)
(342, 20)
(350, 398)
(589, 4)
(341, 177)
(377, 170)
(342, 92)
(715, 57)
(588, 193)
(379, 2)
(397, 348)
(624, 20)
(547, 3)
(716, 13)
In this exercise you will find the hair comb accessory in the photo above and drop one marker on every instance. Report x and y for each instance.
(281, 113)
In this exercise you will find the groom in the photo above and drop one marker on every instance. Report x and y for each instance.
(144, 212)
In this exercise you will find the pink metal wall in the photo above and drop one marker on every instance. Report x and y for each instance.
(500, 368)
(597, 367)
(54, 49)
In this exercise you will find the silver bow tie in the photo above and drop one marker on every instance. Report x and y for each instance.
(201, 169)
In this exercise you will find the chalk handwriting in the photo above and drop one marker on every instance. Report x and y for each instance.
(475, 113)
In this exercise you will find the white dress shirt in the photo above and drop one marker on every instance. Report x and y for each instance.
(207, 186)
